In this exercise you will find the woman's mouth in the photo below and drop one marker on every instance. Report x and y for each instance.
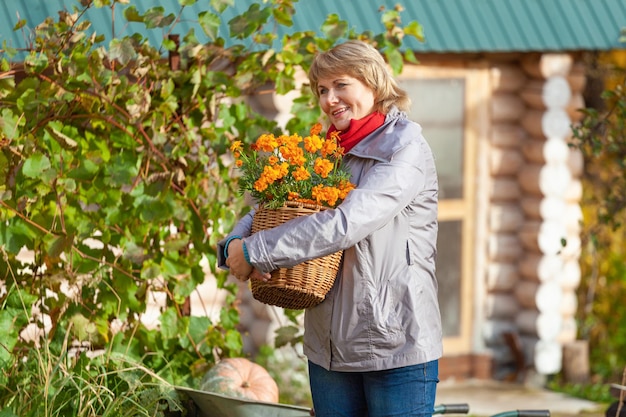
(340, 111)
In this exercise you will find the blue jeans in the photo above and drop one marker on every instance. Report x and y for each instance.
(407, 391)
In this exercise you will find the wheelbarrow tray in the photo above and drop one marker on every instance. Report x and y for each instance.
(217, 405)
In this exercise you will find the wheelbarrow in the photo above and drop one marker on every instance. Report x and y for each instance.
(209, 404)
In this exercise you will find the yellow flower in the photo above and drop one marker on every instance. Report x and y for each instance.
(323, 167)
(301, 174)
(283, 168)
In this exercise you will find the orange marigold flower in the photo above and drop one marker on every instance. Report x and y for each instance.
(322, 167)
(267, 142)
(281, 168)
(301, 174)
(325, 194)
(261, 184)
(236, 146)
(344, 188)
(313, 143)
(316, 129)
(329, 147)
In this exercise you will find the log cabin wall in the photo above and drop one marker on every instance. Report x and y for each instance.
(534, 218)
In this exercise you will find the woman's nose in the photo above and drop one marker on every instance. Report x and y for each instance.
(331, 97)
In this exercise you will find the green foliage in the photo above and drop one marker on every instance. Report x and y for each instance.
(598, 393)
(600, 136)
(116, 184)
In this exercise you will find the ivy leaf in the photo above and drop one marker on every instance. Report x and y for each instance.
(9, 122)
(221, 5)
(58, 245)
(65, 141)
(285, 335)
(20, 24)
(394, 58)
(134, 253)
(415, 29)
(334, 28)
(249, 22)
(36, 61)
(132, 15)
(156, 18)
(169, 323)
(233, 340)
(210, 24)
(82, 328)
(36, 165)
(122, 50)
(9, 333)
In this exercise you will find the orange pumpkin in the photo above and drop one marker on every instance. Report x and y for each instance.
(239, 377)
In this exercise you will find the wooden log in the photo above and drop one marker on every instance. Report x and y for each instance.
(545, 355)
(546, 208)
(505, 189)
(493, 330)
(501, 276)
(553, 122)
(505, 161)
(539, 267)
(545, 180)
(507, 78)
(573, 218)
(574, 107)
(547, 65)
(575, 162)
(532, 123)
(547, 237)
(501, 354)
(501, 306)
(570, 277)
(550, 93)
(504, 247)
(569, 303)
(551, 151)
(577, 77)
(532, 94)
(569, 331)
(506, 108)
(574, 192)
(545, 326)
(544, 296)
(505, 217)
(507, 135)
(573, 246)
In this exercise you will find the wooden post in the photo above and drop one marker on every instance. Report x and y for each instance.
(576, 361)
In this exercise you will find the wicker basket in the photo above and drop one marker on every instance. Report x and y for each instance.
(301, 286)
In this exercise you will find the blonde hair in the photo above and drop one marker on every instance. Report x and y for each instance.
(362, 61)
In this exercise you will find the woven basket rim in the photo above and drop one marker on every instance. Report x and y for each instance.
(295, 205)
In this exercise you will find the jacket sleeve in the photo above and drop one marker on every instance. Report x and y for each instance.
(385, 188)
(242, 228)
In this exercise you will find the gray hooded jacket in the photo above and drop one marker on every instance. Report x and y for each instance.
(382, 311)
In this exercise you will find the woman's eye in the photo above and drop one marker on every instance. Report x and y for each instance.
(322, 91)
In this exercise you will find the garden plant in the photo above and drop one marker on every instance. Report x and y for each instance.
(116, 182)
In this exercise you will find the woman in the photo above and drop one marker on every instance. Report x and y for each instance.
(373, 345)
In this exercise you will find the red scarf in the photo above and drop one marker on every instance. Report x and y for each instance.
(357, 130)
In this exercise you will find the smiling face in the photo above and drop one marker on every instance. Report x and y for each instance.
(344, 98)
